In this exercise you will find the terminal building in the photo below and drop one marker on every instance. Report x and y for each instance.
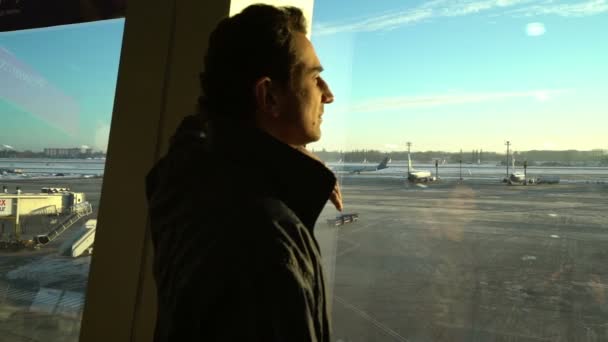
(68, 152)
(61, 204)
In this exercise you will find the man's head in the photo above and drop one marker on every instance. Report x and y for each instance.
(261, 69)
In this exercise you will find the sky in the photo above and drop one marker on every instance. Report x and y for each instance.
(442, 74)
(57, 85)
(450, 75)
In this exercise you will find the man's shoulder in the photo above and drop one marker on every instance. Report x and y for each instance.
(274, 209)
(288, 242)
(277, 216)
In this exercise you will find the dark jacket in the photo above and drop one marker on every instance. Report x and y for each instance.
(235, 258)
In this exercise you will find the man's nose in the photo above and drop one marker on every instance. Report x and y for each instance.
(328, 96)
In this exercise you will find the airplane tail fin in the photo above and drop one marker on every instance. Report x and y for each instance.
(383, 164)
(409, 163)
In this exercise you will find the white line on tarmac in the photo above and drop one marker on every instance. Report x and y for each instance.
(591, 284)
(509, 334)
(372, 320)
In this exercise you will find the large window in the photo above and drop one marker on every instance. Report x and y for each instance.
(56, 98)
(496, 230)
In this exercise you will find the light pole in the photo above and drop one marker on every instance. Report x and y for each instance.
(409, 145)
(460, 162)
(17, 224)
(437, 169)
(508, 143)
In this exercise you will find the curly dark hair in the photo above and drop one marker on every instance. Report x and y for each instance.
(254, 43)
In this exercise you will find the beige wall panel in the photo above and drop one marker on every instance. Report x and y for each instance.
(31, 203)
(116, 263)
(194, 22)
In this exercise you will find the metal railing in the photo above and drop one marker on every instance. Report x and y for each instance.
(76, 213)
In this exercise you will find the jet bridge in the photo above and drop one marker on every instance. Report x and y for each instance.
(82, 242)
(66, 205)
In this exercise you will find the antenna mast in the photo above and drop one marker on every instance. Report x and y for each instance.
(508, 143)
(409, 145)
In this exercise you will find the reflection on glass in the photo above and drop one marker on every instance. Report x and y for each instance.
(56, 96)
(489, 221)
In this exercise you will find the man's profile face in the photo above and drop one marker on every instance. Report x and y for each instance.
(302, 104)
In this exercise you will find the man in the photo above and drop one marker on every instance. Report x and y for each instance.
(234, 202)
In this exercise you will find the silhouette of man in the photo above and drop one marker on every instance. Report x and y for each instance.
(234, 202)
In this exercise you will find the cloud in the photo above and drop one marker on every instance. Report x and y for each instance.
(542, 95)
(454, 8)
(460, 8)
(102, 134)
(570, 9)
(404, 102)
(535, 29)
(428, 10)
(382, 22)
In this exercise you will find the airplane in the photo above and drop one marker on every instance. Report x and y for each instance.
(517, 177)
(358, 168)
(6, 170)
(416, 176)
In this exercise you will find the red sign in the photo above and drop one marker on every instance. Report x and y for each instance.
(6, 207)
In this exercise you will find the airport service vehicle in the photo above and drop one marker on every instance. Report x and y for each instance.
(358, 169)
(343, 219)
(547, 180)
(5, 171)
(416, 176)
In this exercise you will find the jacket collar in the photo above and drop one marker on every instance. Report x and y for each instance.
(272, 168)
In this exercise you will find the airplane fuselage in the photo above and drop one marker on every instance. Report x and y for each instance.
(420, 176)
(516, 178)
(358, 169)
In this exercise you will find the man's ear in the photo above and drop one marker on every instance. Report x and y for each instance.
(266, 97)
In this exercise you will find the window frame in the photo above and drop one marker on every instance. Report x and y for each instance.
(157, 86)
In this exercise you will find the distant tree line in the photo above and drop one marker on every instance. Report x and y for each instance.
(534, 157)
(34, 154)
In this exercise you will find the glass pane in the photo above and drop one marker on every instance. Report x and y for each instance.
(56, 99)
(497, 230)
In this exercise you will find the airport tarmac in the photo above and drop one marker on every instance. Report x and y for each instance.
(41, 292)
(477, 261)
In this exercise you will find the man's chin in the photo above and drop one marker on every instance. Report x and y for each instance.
(311, 137)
